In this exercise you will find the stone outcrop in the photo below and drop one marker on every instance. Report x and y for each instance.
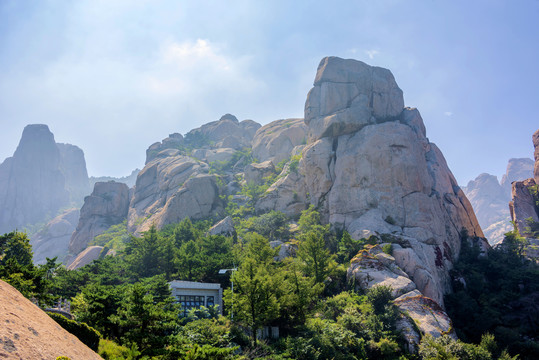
(256, 172)
(524, 207)
(227, 132)
(73, 166)
(489, 198)
(53, 240)
(224, 227)
(27, 332)
(41, 178)
(535, 139)
(106, 206)
(88, 255)
(171, 188)
(276, 140)
(369, 169)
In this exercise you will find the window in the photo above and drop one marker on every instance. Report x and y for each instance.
(190, 302)
(210, 301)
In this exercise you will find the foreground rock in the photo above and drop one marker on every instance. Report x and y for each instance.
(40, 179)
(106, 206)
(369, 168)
(28, 333)
(276, 140)
(53, 240)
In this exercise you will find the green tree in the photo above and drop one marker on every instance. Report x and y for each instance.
(146, 322)
(254, 301)
(316, 258)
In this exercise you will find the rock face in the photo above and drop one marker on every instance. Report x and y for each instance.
(276, 140)
(106, 206)
(39, 179)
(53, 239)
(29, 333)
(536, 156)
(489, 198)
(89, 254)
(524, 207)
(171, 188)
(369, 169)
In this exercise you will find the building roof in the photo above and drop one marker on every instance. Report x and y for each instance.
(181, 284)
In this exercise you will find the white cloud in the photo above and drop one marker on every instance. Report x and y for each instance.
(448, 113)
(372, 53)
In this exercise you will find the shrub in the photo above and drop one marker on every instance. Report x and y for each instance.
(88, 335)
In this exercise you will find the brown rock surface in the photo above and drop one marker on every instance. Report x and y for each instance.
(26, 332)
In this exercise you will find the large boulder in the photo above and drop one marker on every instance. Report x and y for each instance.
(106, 206)
(171, 188)
(369, 168)
(27, 332)
(53, 240)
(276, 140)
(87, 256)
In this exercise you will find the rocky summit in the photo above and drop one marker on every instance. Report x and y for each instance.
(40, 179)
(370, 169)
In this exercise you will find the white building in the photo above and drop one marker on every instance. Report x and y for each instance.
(191, 294)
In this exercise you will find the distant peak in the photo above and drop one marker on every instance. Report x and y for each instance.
(229, 117)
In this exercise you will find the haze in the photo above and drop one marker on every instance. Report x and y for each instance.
(113, 77)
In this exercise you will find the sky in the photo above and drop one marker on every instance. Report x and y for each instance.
(113, 77)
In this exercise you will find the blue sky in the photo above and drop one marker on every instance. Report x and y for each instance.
(113, 77)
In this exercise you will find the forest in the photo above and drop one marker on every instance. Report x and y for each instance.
(123, 306)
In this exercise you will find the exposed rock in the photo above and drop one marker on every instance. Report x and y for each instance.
(373, 267)
(53, 239)
(227, 132)
(224, 227)
(171, 188)
(129, 180)
(41, 178)
(517, 170)
(427, 316)
(523, 206)
(256, 172)
(535, 139)
(276, 140)
(348, 95)
(73, 166)
(214, 155)
(173, 141)
(489, 198)
(285, 249)
(369, 168)
(29, 333)
(89, 254)
(106, 206)
(32, 184)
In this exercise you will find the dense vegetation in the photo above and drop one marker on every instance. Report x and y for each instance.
(127, 299)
